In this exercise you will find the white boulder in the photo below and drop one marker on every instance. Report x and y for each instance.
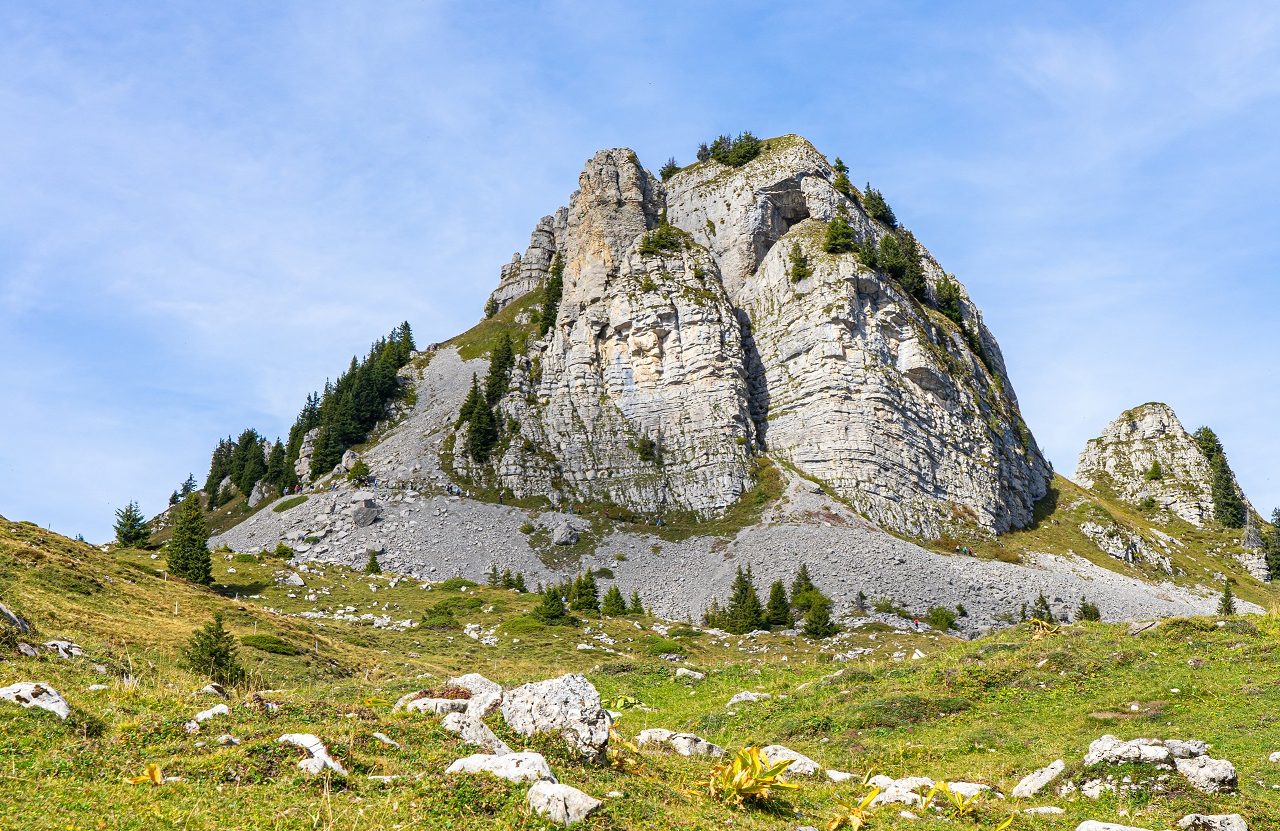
(318, 758)
(1209, 775)
(34, 694)
(568, 705)
(561, 803)
(1036, 782)
(475, 732)
(513, 767)
(1213, 822)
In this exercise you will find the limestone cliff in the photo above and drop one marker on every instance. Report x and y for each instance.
(670, 367)
(1146, 453)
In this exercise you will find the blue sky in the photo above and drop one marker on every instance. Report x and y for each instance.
(206, 209)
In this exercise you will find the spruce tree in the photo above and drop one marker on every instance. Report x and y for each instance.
(1228, 506)
(877, 208)
(188, 552)
(745, 614)
(174, 499)
(669, 169)
(1087, 611)
(518, 583)
(1155, 472)
(131, 527)
(551, 295)
(188, 487)
(550, 610)
(586, 594)
(500, 363)
(839, 238)
(372, 566)
(1273, 546)
(1227, 602)
(817, 620)
(800, 268)
(212, 653)
(778, 612)
(482, 432)
(635, 607)
(614, 604)
(1041, 610)
(494, 578)
(802, 590)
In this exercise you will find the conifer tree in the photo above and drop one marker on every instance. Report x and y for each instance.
(550, 610)
(614, 604)
(131, 527)
(841, 181)
(800, 269)
(188, 551)
(877, 208)
(1227, 601)
(839, 238)
(669, 169)
(551, 295)
(745, 614)
(494, 578)
(586, 594)
(817, 620)
(1155, 472)
(1273, 546)
(802, 589)
(211, 652)
(1228, 507)
(518, 584)
(372, 566)
(500, 363)
(174, 499)
(188, 487)
(1087, 611)
(635, 607)
(778, 612)
(1041, 610)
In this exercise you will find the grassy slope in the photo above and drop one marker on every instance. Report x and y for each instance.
(989, 710)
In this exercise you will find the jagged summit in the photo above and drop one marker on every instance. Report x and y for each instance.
(683, 352)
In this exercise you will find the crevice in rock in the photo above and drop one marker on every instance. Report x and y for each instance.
(757, 382)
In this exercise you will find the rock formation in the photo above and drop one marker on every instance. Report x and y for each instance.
(1146, 453)
(671, 368)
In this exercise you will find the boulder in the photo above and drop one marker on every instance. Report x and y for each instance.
(216, 710)
(685, 744)
(475, 732)
(1034, 783)
(64, 649)
(966, 790)
(486, 696)
(1094, 825)
(10, 617)
(257, 494)
(349, 459)
(35, 694)
(568, 705)
(689, 674)
(748, 697)
(513, 767)
(561, 803)
(1274, 758)
(285, 577)
(1112, 751)
(564, 534)
(1209, 775)
(905, 791)
(801, 765)
(365, 512)
(418, 702)
(1213, 822)
(318, 758)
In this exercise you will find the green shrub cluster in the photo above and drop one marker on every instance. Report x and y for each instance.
(271, 643)
(734, 152)
(505, 579)
(744, 613)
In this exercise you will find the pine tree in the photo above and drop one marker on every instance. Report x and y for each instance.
(1155, 472)
(482, 432)
(1041, 610)
(1273, 546)
(188, 487)
(841, 181)
(519, 583)
(550, 610)
(131, 527)
(372, 566)
(635, 607)
(1227, 602)
(188, 552)
(704, 152)
(551, 295)
(1087, 611)
(800, 269)
(495, 577)
(877, 208)
(817, 620)
(174, 499)
(669, 169)
(745, 614)
(499, 377)
(948, 295)
(802, 590)
(614, 604)
(211, 652)
(839, 238)
(586, 594)
(778, 612)
(1228, 507)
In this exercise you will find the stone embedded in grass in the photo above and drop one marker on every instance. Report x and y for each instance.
(64, 649)
(318, 759)
(216, 710)
(475, 732)
(35, 694)
(691, 675)
(1094, 825)
(685, 744)
(387, 740)
(1209, 775)
(513, 767)
(1213, 822)
(486, 695)
(1034, 783)
(436, 706)
(838, 776)
(228, 740)
(561, 803)
(748, 697)
(801, 765)
(904, 791)
(213, 689)
(1112, 751)
(1044, 810)
(568, 705)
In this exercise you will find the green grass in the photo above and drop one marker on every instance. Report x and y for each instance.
(479, 340)
(989, 710)
(291, 502)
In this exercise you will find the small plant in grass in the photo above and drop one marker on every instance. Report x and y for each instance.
(749, 779)
(283, 551)
(211, 652)
(853, 815)
(527, 528)
(957, 805)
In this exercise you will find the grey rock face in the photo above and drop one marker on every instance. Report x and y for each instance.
(561, 803)
(568, 705)
(302, 467)
(524, 274)
(486, 695)
(257, 494)
(1122, 458)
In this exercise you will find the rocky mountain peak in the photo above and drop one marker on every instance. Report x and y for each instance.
(1146, 453)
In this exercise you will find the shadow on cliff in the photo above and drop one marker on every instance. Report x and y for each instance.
(757, 383)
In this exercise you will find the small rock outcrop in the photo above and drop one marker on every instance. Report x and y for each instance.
(318, 758)
(32, 694)
(1213, 822)
(801, 765)
(1034, 783)
(524, 274)
(513, 767)
(568, 706)
(685, 744)
(475, 732)
(561, 803)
